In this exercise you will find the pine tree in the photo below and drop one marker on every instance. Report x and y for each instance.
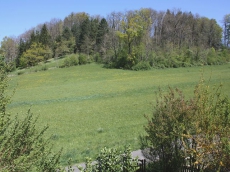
(66, 35)
(44, 37)
(85, 32)
(102, 30)
(21, 50)
(76, 30)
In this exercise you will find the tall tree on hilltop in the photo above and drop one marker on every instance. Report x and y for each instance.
(65, 43)
(132, 30)
(44, 37)
(102, 31)
(94, 23)
(85, 34)
(66, 34)
(76, 30)
(55, 28)
(114, 19)
(214, 34)
(21, 50)
(34, 37)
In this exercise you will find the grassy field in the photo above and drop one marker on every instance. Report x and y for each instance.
(89, 107)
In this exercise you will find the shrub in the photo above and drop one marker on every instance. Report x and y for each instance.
(159, 66)
(82, 59)
(196, 128)
(20, 72)
(11, 67)
(184, 64)
(71, 60)
(90, 59)
(165, 128)
(142, 66)
(97, 58)
(109, 65)
(44, 68)
(23, 148)
(112, 160)
(8, 67)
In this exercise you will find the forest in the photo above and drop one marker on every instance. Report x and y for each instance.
(138, 40)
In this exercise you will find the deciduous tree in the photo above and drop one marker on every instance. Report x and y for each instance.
(9, 49)
(226, 23)
(35, 54)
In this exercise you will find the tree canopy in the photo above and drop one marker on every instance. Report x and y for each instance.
(170, 38)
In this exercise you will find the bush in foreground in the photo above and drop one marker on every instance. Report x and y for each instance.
(112, 160)
(192, 132)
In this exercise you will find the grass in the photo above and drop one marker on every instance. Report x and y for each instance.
(89, 107)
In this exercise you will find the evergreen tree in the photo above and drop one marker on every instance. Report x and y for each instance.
(44, 37)
(85, 31)
(102, 30)
(64, 44)
(21, 50)
(66, 35)
(76, 30)
(34, 37)
(94, 24)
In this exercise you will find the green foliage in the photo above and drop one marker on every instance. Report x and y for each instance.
(97, 58)
(196, 128)
(70, 60)
(83, 59)
(211, 128)
(8, 67)
(225, 53)
(112, 160)
(142, 66)
(44, 68)
(44, 36)
(165, 129)
(102, 30)
(188, 57)
(63, 48)
(22, 146)
(211, 57)
(35, 54)
(124, 39)
(4, 99)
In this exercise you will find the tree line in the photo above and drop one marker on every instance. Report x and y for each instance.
(135, 39)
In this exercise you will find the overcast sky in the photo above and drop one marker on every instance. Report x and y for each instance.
(17, 16)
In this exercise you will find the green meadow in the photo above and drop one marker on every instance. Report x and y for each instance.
(89, 107)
